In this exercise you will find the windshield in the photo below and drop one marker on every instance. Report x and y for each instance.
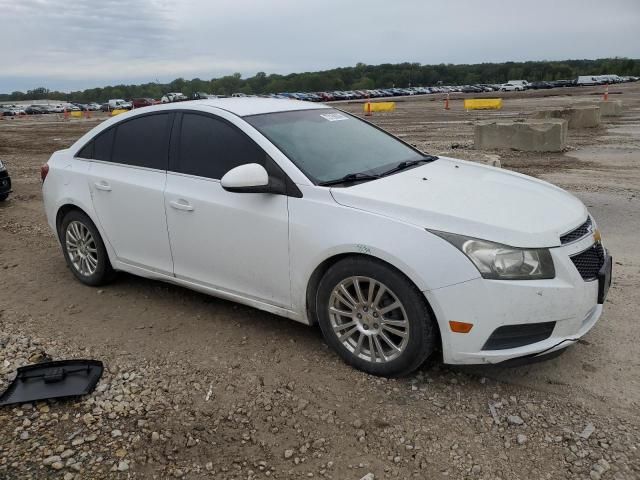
(327, 144)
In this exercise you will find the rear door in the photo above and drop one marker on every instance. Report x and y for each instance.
(127, 179)
(235, 242)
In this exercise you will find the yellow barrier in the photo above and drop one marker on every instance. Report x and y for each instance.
(483, 104)
(380, 107)
(75, 114)
(118, 112)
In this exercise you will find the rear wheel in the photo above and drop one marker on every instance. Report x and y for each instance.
(374, 317)
(84, 249)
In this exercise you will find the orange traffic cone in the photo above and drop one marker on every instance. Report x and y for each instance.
(606, 93)
(66, 114)
(446, 102)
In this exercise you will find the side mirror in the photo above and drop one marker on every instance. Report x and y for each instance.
(249, 178)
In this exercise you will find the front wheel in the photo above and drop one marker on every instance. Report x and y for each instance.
(374, 317)
(84, 249)
(3, 197)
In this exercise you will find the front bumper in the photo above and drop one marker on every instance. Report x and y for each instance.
(568, 300)
(5, 182)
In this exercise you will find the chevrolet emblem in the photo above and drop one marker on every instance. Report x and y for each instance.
(596, 236)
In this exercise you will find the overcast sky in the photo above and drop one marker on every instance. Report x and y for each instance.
(77, 44)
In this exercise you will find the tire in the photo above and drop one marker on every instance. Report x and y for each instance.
(3, 197)
(412, 317)
(93, 271)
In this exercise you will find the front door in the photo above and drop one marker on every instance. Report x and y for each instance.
(236, 242)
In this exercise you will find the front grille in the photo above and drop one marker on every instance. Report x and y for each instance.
(589, 262)
(513, 336)
(578, 233)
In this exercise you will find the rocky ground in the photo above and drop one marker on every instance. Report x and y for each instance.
(196, 387)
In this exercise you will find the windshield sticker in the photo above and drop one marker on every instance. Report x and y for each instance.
(334, 117)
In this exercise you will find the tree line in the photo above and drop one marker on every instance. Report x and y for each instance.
(359, 77)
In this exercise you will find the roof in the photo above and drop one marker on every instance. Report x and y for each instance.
(244, 106)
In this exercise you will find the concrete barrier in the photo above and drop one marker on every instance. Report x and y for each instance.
(527, 136)
(587, 116)
(610, 108)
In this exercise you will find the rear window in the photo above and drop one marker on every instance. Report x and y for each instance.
(143, 142)
(102, 145)
(86, 151)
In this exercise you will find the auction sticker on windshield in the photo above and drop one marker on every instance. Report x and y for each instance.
(334, 117)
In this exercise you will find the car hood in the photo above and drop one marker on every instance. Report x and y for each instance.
(471, 199)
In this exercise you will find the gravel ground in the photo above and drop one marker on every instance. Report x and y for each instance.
(196, 387)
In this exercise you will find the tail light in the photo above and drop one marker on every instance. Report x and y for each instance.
(44, 170)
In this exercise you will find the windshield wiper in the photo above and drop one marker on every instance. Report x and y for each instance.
(408, 163)
(351, 177)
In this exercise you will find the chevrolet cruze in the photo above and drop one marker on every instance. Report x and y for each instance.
(313, 214)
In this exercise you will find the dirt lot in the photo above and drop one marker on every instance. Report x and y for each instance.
(198, 387)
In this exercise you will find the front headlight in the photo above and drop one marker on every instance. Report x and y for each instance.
(1, 166)
(500, 262)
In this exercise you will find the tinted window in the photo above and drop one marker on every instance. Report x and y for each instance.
(86, 151)
(143, 142)
(102, 145)
(210, 147)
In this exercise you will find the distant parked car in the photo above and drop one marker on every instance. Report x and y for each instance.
(14, 110)
(472, 89)
(119, 104)
(55, 108)
(541, 85)
(326, 96)
(173, 97)
(508, 87)
(564, 83)
(203, 95)
(5, 182)
(519, 83)
(142, 102)
(35, 110)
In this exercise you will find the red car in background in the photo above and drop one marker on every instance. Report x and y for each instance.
(143, 102)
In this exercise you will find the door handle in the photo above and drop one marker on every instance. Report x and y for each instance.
(181, 205)
(102, 185)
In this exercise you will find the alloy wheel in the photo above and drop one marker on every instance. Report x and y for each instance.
(369, 319)
(81, 248)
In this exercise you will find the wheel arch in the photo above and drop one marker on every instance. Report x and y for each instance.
(69, 206)
(321, 269)
(63, 210)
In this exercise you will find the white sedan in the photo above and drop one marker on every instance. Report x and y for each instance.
(313, 214)
(509, 87)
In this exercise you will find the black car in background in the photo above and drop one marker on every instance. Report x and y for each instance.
(541, 85)
(5, 183)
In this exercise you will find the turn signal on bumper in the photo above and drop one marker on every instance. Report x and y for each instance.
(460, 327)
